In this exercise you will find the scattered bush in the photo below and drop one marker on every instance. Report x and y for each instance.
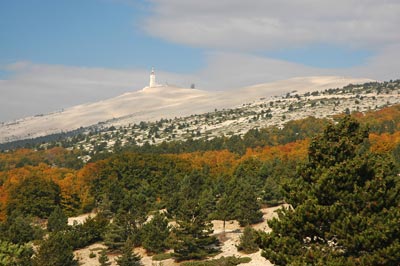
(223, 261)
(162, 256)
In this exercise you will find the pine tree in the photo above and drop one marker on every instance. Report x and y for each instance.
(207, 201)
(57, 220)
(345, 205)
(225, 208)
(128, 257)
(191, 237)
(55, 251)
(249, 171)
(247, 207)
(155, 234)
(248, 241)
(123, 227)
(19, 229)
(272, 194)
(115, 235)
(103, 258)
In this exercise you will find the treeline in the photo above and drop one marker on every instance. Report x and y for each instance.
(58, 157)
(35, 142)
(271, 136)
(386, 120)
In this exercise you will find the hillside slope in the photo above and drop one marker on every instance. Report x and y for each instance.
(150, 104)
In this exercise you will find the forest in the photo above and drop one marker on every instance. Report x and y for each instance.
(339, 177)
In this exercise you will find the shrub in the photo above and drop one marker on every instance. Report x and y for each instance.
(223, 261)
(162, 256)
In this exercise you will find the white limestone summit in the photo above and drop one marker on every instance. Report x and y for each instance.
(158, 101)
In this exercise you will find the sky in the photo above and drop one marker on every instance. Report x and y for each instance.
(56, 54)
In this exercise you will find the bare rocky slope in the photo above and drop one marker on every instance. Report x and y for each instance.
(151, 104)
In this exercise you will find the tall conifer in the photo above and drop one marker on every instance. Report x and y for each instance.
(345, 205)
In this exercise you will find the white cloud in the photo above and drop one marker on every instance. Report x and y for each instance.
(235, 70)
(238, 29)
(383, 66)
(34, 89)
(265, 25)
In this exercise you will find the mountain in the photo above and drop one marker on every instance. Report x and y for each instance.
(154, 103)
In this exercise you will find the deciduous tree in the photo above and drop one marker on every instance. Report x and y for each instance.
(34, 196)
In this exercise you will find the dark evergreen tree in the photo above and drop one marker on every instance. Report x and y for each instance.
(57, 220)
(19, 229)
(191, 236)
(136, 204)
(207, 201)
(91, 231)
(124, 226)
(249, 171)
(249, 241)
(225, 208)
(104, 206)
(128, 257)
(345, 205)
(115, 236)
(55, 250)
(247, 207)
(272, 194)
(116, 196)
(155, 234)
(103, 258)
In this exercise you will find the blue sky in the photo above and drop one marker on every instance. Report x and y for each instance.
(92, 33)
(66, 52)
(101, 33)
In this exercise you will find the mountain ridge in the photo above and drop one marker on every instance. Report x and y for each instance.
(165, 101)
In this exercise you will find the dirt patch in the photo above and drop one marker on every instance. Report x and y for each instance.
(83, 255)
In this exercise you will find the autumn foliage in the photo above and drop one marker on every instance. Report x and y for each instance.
(78, 183)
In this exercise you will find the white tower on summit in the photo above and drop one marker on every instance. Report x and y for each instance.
(152, 78)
